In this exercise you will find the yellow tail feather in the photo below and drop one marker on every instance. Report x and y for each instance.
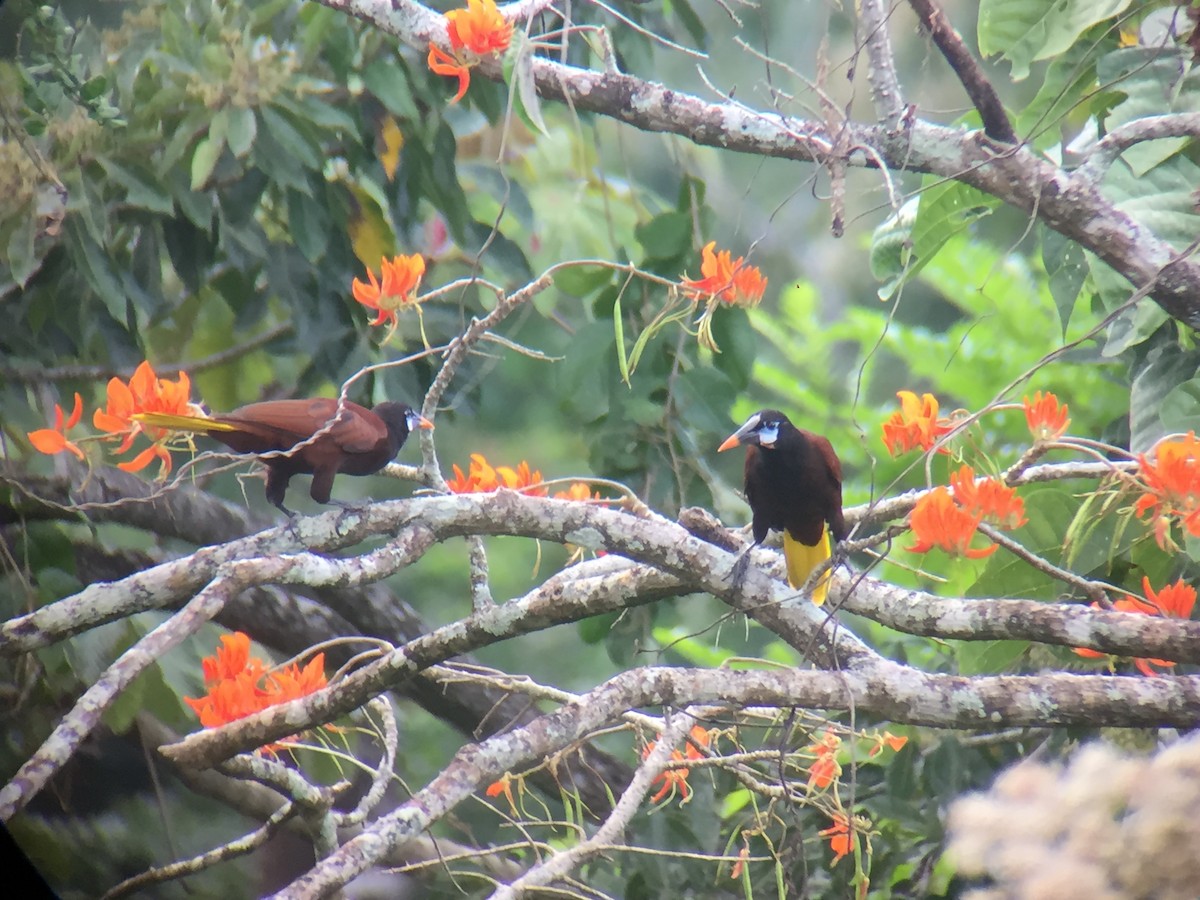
(181, 423)
(802, 559)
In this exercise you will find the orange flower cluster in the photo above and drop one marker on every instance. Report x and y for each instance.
(1047, 419)
(937, 521)
(841, 841)
(993, 500)
(400, 280)
(727, 279)
(949, 521)
(825, 767)
(672, 779)
(1172, 486)
(1175, 601)
(482, 478)
(240, 684)
(916, 424)
(474, 32)
(144, 393)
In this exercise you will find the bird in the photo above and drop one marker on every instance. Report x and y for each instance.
(359, 441)
(794, 485)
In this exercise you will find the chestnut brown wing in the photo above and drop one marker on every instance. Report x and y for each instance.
(281, 424)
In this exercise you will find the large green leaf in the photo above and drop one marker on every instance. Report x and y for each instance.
(1164, 369)
(1024, 31)
(1156, 81)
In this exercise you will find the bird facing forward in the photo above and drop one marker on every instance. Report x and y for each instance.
(794, 485)
(312, 436)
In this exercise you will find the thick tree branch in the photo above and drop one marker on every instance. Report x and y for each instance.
(917, 698)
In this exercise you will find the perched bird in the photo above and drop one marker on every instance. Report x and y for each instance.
(360, 442)
(793, 485)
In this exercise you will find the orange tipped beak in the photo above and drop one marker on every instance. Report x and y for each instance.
(423, 422)
(729, 443)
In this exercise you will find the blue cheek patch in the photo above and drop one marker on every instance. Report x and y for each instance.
(768, 436)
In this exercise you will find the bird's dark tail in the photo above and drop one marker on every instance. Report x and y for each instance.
(802, 559)
(182, 423)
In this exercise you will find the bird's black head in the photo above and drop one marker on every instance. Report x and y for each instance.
(761, 430)
(400, 419)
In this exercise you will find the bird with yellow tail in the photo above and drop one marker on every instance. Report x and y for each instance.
(794, 485)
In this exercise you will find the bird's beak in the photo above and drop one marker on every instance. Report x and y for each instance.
(730, 442)
(423, 422)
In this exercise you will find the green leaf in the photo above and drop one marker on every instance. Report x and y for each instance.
(891, 255)
(204, 160)
(1155, 81)
(388, 81)
(22, 261)
(243, 126)
(619, 337)
(945, 210)
(93, 88)
(290, 138)
(308, 222)
(1152, 379)
(1066, 268)
(143, 188)
(666, 236)
(580, 281)
(1067, 89)
(518, 71)
(1024, 31)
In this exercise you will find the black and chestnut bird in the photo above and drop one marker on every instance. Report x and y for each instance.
(793, 485)
(360, 442)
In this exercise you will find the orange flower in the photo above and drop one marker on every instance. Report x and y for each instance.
(887, 739)
(729, 280)
(841, 841)
(1173, 485)
(474, 32)
(482, 478)
(401, 279)
(231, 659)
(936, 521)
(580, 490)
(916, 424)
(480, 28)
(54, 440)
(1047, 420)
(291, 682)
(144, 393)
(442, 63)
(825, 768)
(1175, 601)
(673, 779)
(240, 685)
(991, 499)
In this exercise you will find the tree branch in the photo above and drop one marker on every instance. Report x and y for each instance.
(918, 698)
(996, 124)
